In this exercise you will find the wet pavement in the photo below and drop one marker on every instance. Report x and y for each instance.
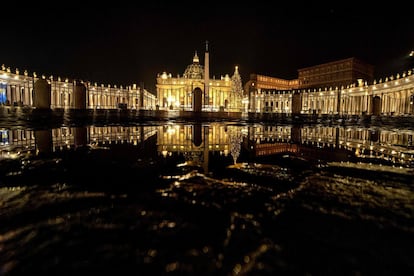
(215, 198)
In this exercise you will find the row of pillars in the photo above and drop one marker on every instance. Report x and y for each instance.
(43, 95)
(297, 105)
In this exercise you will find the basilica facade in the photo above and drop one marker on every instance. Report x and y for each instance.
(196, 91)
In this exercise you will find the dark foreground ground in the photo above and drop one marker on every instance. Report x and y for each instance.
(125, 210)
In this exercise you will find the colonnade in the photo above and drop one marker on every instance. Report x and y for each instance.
(392, 96)
(17, 89)
(389, 97)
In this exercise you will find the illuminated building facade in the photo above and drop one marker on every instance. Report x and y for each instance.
(356, 95)
(279, 102)
(196, 91)
(17, 89)
(335, 74)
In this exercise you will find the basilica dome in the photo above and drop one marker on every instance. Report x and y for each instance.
(194, 70)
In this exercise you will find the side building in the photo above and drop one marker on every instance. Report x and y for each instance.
(335, 74)
(269, 94)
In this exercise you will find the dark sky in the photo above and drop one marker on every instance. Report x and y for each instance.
(131, 42)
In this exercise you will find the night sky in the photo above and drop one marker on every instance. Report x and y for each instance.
(124, 43)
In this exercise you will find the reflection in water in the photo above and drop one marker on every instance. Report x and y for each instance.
(207, 198)
(196, 140)
(80, 135)
(43, 139)
(197, 135)
(235, 135)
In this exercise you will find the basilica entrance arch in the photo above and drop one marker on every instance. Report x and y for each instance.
(197, 99)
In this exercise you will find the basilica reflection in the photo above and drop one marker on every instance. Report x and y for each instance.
(195, 143)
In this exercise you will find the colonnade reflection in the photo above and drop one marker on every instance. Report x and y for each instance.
(196, 142)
